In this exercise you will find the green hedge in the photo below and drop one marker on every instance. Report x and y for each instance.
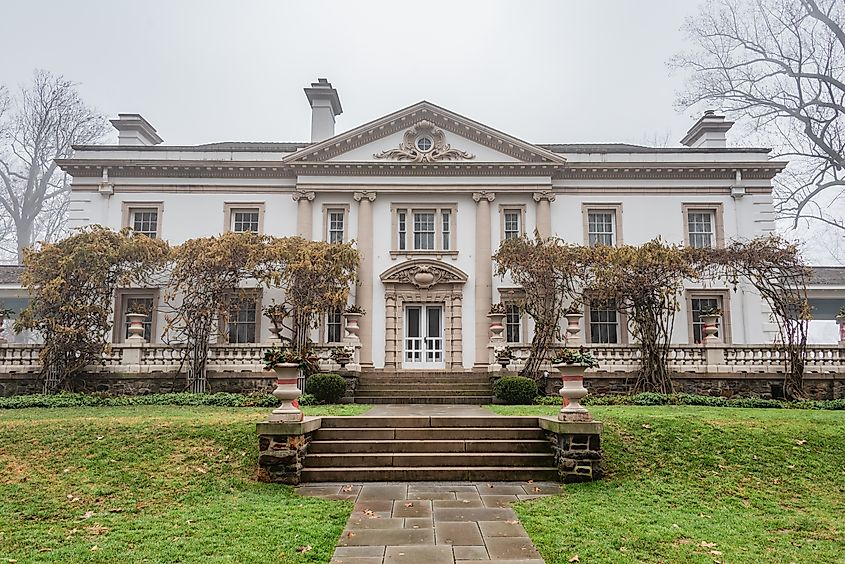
(220, 399)
(649, 398)
(327, 388)
(515, 390)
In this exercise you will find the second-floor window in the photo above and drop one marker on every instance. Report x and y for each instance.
(424, 230)
(145, 221)
(512, 228)
(336, 225)
(601, 228)
(244, 220)
(701, 229)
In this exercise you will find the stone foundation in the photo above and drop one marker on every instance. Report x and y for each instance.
(282, 448)
(755, 385)
(577, 448)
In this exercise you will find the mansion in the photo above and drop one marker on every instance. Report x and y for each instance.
(428, 195)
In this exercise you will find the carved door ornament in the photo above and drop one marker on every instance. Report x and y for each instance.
(424, 143)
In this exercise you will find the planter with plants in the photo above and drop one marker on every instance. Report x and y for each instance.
(276, 313)
(497, 318)
(710, 323)
(573, 363)
(352, 314)
(504, 355)
(136, 314)
(343, 355)
(287, 363)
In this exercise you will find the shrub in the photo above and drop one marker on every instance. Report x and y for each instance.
(327, 388)
(307, 399)
(220, 399)
(515, 390)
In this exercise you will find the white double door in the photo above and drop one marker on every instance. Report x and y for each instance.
(423, 336)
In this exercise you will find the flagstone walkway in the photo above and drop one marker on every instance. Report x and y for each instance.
(434, 522)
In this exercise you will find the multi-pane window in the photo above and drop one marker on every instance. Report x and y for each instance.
(145, 222)
(600, 228)
(446, 229)
(244, 220)
(700, 226)
(604, 323)
(424, 231)
(135, 303)
(513, 324)
(401, 221)
(336, 228)
(697, 306)
(243, 316)
(334, 325)
(512, 227)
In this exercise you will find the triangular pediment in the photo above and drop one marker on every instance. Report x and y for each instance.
(424, 133)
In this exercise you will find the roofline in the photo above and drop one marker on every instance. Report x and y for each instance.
(258, 147)
(614, 148)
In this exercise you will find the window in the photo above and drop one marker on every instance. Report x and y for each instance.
(703, 225)
(336, 221)
(446, 226)
(334, 326)
(512, 224)
(129, 304)
(241, 217)
(143, 217)
(602, 224)
(697, 305)
(600, 228)
(604, 323)
(403, 230)
(424, 144)
(424, 231)
(243, 318)
(245, 220)
(513, 324)
(145, 222)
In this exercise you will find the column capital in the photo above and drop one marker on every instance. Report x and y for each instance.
(364, 194)
(302, 194)
(544, 195)
(483, 195)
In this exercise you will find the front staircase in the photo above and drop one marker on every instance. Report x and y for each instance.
(432, 448)
(429, 387)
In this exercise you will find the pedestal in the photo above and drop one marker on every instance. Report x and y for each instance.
(577, 448)
(282, 448)
(287, 392)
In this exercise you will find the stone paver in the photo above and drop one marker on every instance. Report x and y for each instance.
(434, 522)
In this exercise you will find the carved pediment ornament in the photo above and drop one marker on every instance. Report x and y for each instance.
(434, 149)
(422, 276)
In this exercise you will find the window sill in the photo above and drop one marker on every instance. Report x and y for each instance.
(438, 254)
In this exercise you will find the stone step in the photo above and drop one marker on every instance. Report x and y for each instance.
(451, 399)
(421, 392)
(428, 433)
(319, 446)
(423, 380)
(428, 385)
(427, 459)
(438, 421)
(429, 474)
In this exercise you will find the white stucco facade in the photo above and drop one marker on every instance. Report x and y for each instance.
(465, 178)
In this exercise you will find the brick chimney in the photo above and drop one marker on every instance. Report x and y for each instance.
(325, 105)
(133, 129)
(708, 132)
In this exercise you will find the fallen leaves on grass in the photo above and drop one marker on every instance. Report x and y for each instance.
(304, 549)
(575, 558)
(97, 529)
(87, 515)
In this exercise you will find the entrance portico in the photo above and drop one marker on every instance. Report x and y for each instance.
(423, 310)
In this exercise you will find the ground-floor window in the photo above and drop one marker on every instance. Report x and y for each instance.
(604, 323)
(513, 324)
(243, 320)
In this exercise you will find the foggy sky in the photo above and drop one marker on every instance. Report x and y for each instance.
(203, 71)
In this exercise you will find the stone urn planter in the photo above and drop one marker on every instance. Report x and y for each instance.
(136, 326)
(287, 392)
(497, 326)
(352, 327)
(840, 320)
(573, 327)
(710, 326)
(572, 392)
(343, 355)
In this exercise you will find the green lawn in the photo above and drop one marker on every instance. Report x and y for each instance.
(168, 484)
(151, 484)
(690, 484)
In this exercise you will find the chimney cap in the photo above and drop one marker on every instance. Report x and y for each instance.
(135, 126)
(323, 90)
(710, 126)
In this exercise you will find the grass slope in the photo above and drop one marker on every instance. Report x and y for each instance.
(693, 484)
(151, 484)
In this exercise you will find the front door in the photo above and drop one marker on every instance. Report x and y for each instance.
(423, 336)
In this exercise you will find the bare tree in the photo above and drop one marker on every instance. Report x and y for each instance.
(781, 65)
(37, 126)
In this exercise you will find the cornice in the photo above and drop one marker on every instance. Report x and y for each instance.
(177, 169)
(690, 170)
(366, 168)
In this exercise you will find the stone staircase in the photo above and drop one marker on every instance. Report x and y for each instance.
(429, 387)
(431, 448)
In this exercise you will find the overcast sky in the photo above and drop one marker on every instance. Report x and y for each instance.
(202, 71)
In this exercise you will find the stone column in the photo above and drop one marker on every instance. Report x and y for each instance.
(483, 274)
(364, 296)
(304, 214)
(544, 212)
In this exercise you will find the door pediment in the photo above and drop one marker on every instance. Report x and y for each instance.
(423, 274)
